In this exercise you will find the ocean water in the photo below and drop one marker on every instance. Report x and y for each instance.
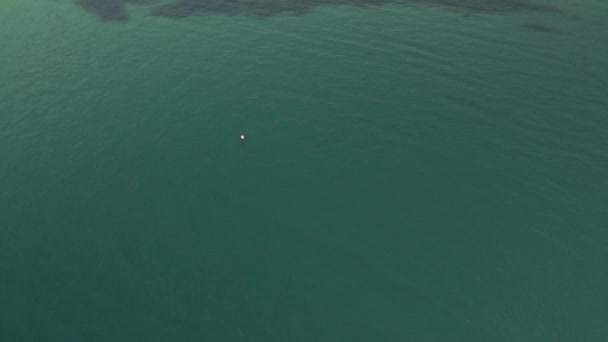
(413, 171)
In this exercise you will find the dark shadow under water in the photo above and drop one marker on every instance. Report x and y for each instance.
(537, 27)
(115, 10)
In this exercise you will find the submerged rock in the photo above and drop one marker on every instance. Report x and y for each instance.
(115, 9)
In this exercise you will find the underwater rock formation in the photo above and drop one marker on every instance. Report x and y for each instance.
(115, 9)
(111, 9)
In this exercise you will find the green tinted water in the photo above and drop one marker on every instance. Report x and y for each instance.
(410, 174)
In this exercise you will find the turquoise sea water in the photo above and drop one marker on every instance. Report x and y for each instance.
(412, 172)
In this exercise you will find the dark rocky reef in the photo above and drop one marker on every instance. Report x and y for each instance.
(115, 9)
(496, 6)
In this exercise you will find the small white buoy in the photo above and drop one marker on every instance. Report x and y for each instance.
(242, 138)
